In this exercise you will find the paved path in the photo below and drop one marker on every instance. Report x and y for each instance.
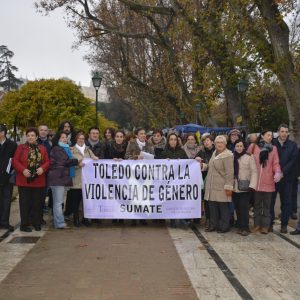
(154, 262)
(100, 263)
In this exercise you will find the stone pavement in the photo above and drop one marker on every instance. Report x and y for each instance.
(100, 263)
(153, 262)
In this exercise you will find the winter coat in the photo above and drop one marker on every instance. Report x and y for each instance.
(7, 151)
(159, 147)
(265, 175)
(88, 153)
(288, 155)
(298, 164)
(133, 149)
(219, 177)
(172, 153)
(20, 164)
(59, 173)
(113, 151)
(46, 143)
(247, 171)
(98, 149)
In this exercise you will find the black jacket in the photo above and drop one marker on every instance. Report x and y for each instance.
(46, 143)
(113, 150)
(173, 154)
(206, 155)
(7, 151)
(298, 164)
(98, 149)
(288, 156)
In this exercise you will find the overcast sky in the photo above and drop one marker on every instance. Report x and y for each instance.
(42, 44)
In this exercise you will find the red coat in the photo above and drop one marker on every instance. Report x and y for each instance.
(20, 164)
(266, 181)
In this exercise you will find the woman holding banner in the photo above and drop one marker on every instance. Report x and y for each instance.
(173, 150)
(135, 150)
(117, 151)
(219, 186)
(79, 151)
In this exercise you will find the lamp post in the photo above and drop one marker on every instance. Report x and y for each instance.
(97, 79)
(181, 116)
(198, 108)
(242, 87)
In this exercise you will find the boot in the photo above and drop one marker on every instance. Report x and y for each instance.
(283, 229)
(76, 219)
(264, 230)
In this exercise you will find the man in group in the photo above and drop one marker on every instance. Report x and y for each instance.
(43, 139)
(7, 151)
(94, 143)
(297, 230)
(288, 155)
(68, 128)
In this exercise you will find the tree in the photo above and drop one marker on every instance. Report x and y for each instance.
(50, 102)
(180, 52)
(8, 80)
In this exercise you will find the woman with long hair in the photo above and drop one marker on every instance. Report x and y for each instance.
(269, 172)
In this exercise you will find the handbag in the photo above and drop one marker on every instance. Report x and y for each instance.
(243, 185)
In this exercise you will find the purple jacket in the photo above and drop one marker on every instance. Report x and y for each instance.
(58, 174)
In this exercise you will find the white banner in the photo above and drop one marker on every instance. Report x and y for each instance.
(141, 189)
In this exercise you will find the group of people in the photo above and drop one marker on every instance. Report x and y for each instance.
(237, 174)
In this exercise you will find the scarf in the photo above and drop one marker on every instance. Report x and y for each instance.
(119, 147)
(34, 159)
(67, 149)
(236, 157)
(191, 150)
(81, 149)
(140, 144)
(92, 143)
(265, 149)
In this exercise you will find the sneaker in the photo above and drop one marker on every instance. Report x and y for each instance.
(295, 232)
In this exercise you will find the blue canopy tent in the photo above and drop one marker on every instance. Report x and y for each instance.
(192, 128)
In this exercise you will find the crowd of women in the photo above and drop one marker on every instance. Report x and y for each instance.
(236, 173)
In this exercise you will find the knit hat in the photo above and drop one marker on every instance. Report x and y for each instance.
(234, 131)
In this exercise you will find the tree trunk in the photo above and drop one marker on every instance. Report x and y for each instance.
(284, 68)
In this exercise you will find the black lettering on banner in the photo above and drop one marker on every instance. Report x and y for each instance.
(123, 208)
(187, 172)
(164, 172)
(95, 169)
(161, 193)
(114, 171)
(136, 174)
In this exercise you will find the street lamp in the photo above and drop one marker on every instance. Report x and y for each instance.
(97, 79)
(198, 108)
(181, 116)
(242, 87)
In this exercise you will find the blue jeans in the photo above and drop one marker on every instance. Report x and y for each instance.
(298, 206)
(58, 199)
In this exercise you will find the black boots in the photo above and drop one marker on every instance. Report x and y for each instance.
(76, 219)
